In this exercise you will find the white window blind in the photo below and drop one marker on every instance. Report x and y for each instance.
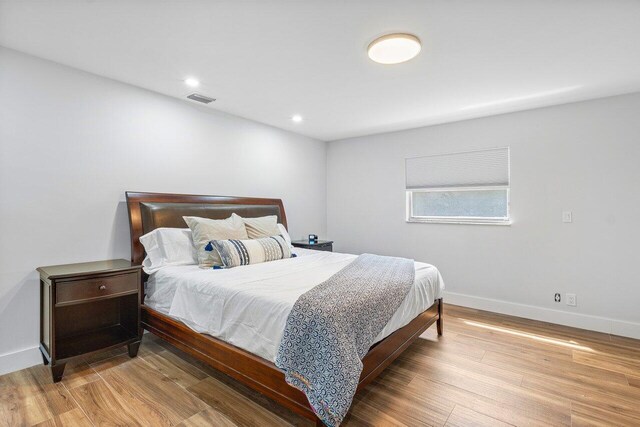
(484, 168)
(471, 187)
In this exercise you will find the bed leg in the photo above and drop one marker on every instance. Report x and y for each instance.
(439, 322)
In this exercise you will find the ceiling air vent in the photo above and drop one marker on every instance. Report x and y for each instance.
(201, 98)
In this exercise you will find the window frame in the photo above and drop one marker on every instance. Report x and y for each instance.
(457, 219)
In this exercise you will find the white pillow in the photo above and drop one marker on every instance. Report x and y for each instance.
(168, 246)
(283, 233)
(204, 230)
(263, 226)
(251, 251)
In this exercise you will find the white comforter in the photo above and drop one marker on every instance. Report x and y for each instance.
(248, 306)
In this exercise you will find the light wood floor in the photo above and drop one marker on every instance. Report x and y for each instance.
(488, 370)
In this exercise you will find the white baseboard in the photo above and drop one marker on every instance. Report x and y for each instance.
(20, 359)
(576, 320)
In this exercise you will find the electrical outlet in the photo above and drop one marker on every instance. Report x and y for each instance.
(571, 300)
(556, 297)
(567, 216)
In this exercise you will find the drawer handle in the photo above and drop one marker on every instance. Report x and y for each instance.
(102, 287)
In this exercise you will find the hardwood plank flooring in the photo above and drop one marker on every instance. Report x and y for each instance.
(72, 418)
(487, 370)
(465, 417)
(208, 417)
(102, 406)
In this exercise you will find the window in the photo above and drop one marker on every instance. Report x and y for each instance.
(471, 187)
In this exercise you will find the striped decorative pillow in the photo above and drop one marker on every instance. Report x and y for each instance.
(234, 253)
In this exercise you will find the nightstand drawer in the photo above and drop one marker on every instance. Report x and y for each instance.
(325, 247)
(320, 245)
(97, 287)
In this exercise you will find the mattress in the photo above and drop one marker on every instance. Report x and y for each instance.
(248, 306)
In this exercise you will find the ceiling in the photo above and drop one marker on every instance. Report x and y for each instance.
(269, 60)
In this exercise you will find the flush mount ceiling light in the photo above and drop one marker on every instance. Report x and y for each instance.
(296, 118)
(190, 81)
(394, 48)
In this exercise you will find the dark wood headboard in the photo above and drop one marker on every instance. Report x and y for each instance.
(148, 211)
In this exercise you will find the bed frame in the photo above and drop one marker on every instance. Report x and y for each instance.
(148, 211)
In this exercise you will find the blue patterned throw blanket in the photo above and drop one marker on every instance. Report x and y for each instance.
(332, 326)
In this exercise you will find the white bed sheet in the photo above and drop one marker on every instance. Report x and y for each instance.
(248, 306)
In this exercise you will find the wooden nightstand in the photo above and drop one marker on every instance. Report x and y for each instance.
(320, 245)
(88, 307)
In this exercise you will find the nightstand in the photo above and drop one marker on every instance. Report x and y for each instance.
(86, 308)
(320, 245)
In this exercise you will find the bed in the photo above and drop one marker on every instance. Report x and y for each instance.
(177, 311)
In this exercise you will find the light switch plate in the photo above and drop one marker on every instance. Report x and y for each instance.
(567, 216)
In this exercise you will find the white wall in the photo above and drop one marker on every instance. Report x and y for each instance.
(71, 143)
(583, 157)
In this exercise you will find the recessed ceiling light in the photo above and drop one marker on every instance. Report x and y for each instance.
(296, 118)
(394, 48)
(191, 82)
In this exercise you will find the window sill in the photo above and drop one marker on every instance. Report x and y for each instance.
(458, 221)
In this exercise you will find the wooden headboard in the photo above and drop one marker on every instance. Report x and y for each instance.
(148, 211)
